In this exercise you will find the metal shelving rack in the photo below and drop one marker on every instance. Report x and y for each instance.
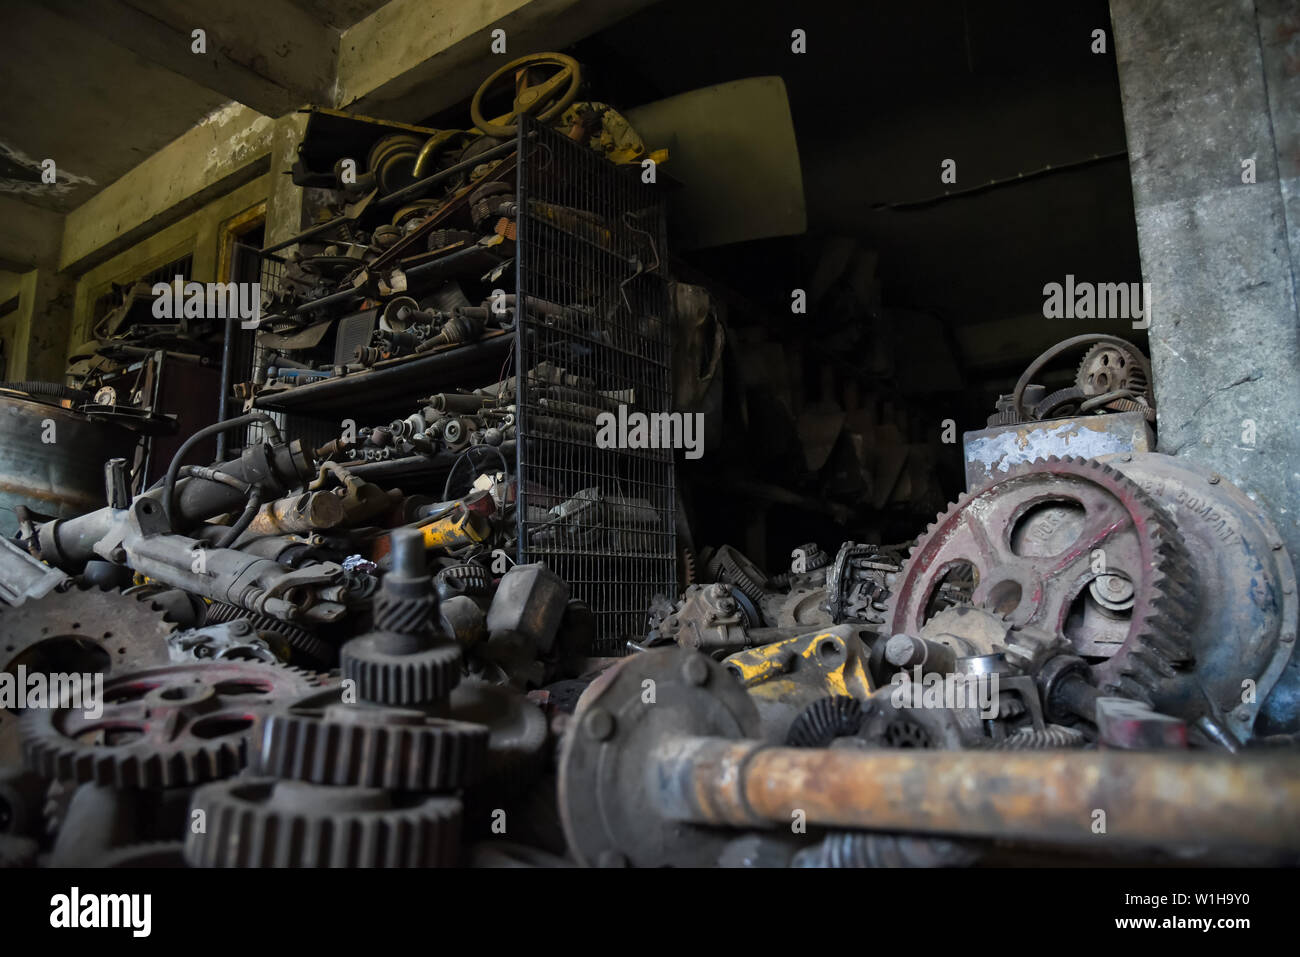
(591, 298)
(592, 301)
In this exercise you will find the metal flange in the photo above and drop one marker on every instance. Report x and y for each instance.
(607, 793)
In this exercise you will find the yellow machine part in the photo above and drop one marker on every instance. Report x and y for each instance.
(787, 676)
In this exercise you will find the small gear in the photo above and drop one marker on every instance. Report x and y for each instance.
(1132, 405)
(686, 563)
(163, 727)
(422, 676)
(266, 823)
(403, 662)
(323, 741)
(835, 716)
(1108, 367)
(968, 631)
(465, 579)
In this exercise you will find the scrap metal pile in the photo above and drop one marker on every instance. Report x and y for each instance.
(303, 666)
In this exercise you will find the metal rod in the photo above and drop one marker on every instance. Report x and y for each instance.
(1128, 797)
(227, 373)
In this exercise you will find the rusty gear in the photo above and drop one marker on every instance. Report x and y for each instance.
(131, 632)
(164, 727)
(422, 677)
(1034, 539)
(1107, 367)
(968, 631)
(267, 823)
(324, 741)
(971, 631)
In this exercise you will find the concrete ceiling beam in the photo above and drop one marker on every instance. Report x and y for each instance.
(270, 56)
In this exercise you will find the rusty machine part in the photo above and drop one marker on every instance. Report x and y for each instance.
(859, 581)
(81, 631)
(85, 630)
(1138, 372)
(716, 619)
(785, 677)
(654, 783)
(404, 662)
(270, 823)
(1071, 548)
(518, 733)
(1168, 630)
(162, 727)
(1243, 628)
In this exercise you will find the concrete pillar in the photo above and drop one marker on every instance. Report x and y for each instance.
(1205, 86)
(284, 202)
(54, 294)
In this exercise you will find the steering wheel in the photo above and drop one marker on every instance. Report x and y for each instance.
(530, 99)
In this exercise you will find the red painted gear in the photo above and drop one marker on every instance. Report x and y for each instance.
(1035, 579)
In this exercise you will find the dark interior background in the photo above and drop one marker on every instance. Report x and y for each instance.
(886, 92)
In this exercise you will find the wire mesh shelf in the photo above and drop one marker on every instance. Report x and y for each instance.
(594, 336)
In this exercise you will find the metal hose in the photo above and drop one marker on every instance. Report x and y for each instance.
(169, 484)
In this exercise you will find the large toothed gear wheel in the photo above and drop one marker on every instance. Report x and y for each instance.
(81, 630)
(324, 741)
(268, 823)
(163, 727)
(1069, 548)
(84, 629)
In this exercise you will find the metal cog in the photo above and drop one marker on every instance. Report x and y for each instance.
(63, 630)
(268, 823)
(319, 652)
(968, 631)
(163, 727)
(323, 741)
(1107, 367)
(1060, 403)
(82, 630)
(1032, 538)
(835, 716)
(423, 677)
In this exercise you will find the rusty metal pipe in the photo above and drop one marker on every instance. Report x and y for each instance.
(1147, 798)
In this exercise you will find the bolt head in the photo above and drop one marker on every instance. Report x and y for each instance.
(695, 671)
